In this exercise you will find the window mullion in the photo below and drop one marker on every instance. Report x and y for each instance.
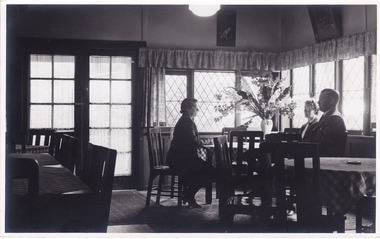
(367, 96)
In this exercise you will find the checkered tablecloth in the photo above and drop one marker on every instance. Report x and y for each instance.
(343, 185)
(53, 177)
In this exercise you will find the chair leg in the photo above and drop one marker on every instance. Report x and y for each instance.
(358, 217)
(149, 192)
(180, 192)
(159, 189)
(172, 186)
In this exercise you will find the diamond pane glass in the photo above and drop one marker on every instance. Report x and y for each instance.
(121, 116)
(63, 91)
(63, 117)
(373, 88)
(123, 164)
(285, 75)
(121, 92)
(206, 86)
(324, 77)
(99, 91)
(121, 67)
(121, 139)
(100, 137)
(40, 66)
(301, 88)
(40, 91)
(64, 66)
(175, 92)
(40, 116)
(99, 116)
(352, 93)
(100, 67)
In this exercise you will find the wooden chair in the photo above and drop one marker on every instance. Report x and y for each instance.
(292, 131)
(67, 151)
(226, 130)
(158, 168)
(19, 213)
(305, 186)
(230, 200)
(37, 141)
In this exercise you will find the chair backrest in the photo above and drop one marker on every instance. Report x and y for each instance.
(282, 137)
(166, 136)
(18, 168)
(305, 183)
(40, 137)
(240, 153)
(292, 131)
(226, 131)
(222, 155)
(98, 172)
(361, 146)
(156, 148)
(68, 152)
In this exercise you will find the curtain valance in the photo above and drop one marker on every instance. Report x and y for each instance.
(207, 59)
(337, 49)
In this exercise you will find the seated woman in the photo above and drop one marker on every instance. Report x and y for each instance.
(183, 158)
(311, 113)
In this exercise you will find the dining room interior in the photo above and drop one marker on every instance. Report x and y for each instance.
(93, 94)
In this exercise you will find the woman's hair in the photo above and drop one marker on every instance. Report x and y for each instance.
(187, 104)
(313, 105)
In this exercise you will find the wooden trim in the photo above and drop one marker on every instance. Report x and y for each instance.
(367, 96)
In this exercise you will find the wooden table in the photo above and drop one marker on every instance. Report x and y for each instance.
(343, 185)
(62, 202)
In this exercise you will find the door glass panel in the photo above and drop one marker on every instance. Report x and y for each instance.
(121, 68)
(100, 67)
(40, 116)
(64, 66)
(99, 91)
(119, 91)
(118, 118)
(40, 66)
(99, 116)
(40, 91)
(64, 91)
(110, 108)
(100, 136)
(63, 117)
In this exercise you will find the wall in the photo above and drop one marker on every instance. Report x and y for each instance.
(297, 31)
(172, 26)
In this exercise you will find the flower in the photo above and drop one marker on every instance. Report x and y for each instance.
(261, 94)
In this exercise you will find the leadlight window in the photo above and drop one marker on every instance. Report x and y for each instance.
(111, 108)
(352, 93)
(206, 85)
(301, 88)
(324, 77)
(52, 91)
(175, 92)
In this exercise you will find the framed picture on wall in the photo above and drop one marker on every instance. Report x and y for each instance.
(226, 27)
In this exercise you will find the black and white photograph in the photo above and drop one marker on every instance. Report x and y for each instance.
(148, 119)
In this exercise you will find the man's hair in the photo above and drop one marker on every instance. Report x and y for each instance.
(332, 94)
(187, 103)
(313, 104)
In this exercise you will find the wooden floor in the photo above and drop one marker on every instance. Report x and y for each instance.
(129, 215)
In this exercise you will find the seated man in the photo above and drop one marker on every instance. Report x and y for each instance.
(330, 132)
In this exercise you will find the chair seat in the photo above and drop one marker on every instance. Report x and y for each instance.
(162, 167)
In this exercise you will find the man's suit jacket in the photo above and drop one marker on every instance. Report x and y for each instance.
(310, 128)
(330, 133)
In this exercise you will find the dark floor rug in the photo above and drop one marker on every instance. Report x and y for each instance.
(128, 207)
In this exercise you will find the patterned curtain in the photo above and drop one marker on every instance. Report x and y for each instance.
(154, 96)
(337, 49)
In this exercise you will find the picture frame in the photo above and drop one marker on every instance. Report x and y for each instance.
(226, 27)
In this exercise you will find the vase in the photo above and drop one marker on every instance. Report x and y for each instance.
(266, 126)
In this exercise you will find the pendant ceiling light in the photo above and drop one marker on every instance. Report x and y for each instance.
(204, 10)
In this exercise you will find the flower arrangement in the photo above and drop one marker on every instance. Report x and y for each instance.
(261, 94)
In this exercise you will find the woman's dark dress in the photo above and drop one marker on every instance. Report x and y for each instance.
(183, 158)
